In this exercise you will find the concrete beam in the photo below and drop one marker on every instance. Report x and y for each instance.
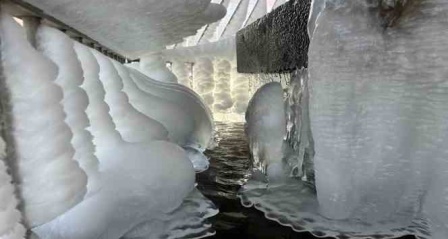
(277, 42)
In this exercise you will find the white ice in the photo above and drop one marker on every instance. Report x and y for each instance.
(221, 93)
(154, 66)
(10, 216)
(51, 181)
(139, 181)
(204, 83)
(266, 128)
(54, 45)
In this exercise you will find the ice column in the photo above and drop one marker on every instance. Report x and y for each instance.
(203, 79)
(266, 128)
(378, 96)
(239, 90)
(181, 70)
(221, 92)
(59, 48)
(42, 138)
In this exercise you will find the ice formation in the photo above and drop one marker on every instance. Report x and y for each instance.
(132, 125)
(131, 173)
(266, 128)
(239, 91)
(154, 66)
(58, 48)
(221, 94)
(377, 103)
(10, 217)
(385, 96)
(42, 138)
(190, 104)
(134, 28)
(203, 79)
(180, 69)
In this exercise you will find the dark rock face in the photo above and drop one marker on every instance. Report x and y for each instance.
(277, 42)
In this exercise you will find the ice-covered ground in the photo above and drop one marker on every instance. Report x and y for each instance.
(378, 93)
(136, 183)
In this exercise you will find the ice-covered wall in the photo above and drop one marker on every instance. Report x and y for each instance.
(239, 91)
(42, 138)
(58, 48)
(221, 93)
(182, 71)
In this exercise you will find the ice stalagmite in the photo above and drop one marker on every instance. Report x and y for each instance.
(133, 126)
(378, 93)
(266, 128)
(59, 48)
(140, 182)
(51, 181)
(10, 217)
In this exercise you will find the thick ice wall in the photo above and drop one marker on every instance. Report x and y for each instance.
(133, 126)
(266, 126)
(42, 138)
(140, 182)
(190, 103)
(378, 111)
(10, 216)
(59, 48)
(180, 69)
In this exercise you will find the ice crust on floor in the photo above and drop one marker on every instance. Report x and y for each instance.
(42, 138)
(59, 48)
(377, 107)
(266, 126)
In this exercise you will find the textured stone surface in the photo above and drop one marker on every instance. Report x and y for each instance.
(277, 42)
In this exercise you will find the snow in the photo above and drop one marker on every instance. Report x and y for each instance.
(134, 27)
(42, 138)
(59, 48)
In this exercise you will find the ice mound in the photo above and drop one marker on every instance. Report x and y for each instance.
(133, 126)
(266, 126)
(378, 93)
(10, 217)
(51, 182)
(59, 48)
(189, 102)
